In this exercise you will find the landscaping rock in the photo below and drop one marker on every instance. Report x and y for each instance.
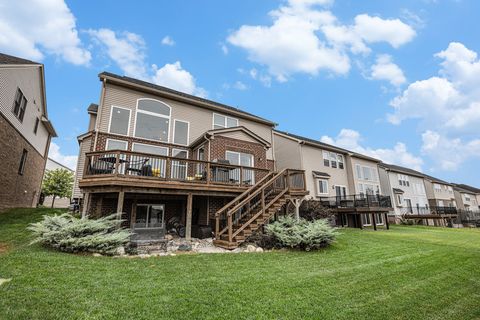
(259, 249)
(185, 247)
(120, 251)
(251, 248)
(169, 237)
(97, 255)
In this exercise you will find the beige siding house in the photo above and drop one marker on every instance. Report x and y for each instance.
(25, 131)
(334, 175)
(171, 161)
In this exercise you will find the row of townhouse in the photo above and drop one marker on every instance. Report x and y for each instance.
(168, 160)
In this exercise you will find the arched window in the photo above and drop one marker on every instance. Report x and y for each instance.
(153, 120)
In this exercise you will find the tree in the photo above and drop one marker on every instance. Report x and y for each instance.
(57, 183)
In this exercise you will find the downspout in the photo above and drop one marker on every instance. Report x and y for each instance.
(99, 114)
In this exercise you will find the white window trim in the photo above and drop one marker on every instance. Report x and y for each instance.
(180, 149)
(129, 118)
(115, 140)
(369, 218)
(238, 153)
(155, 115)
(225, 123)
(149, 145)
(341, 186)
(188, 131)
(317, 181)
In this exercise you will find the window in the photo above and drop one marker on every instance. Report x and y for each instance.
(399, 200)
(322, 186)
(467, 197)
(35, 128)
(221, 121)
(23, 160)
(368, 189)
(366, 220)
(19, 105)
(333, 159)
(119, 121)
(450, 189)
(180, 132)
(149, 216)
(116, 145)
(403, 180)
(153, 120)
(419, 188)
(340, 161)
(326, 158)
(366, 173)
(241, 159)
(158, 165)
(145, 148)
(437, 187)
(378, 219)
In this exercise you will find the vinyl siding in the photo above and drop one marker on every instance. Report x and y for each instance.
(85, 146)
(200, 119)
(28, 79)
(239, 136)
(287, 153)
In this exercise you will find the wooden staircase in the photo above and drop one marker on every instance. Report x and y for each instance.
(255, 207)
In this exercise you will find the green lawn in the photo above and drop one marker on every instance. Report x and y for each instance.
(403, 273)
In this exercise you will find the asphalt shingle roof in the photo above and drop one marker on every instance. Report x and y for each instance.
(7, 59)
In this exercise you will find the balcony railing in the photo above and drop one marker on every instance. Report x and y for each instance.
(357, 201)
(143, 165)
(429, 210)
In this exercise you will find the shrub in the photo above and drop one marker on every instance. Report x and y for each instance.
(263, 240)
(67, 233)
(302, 234)
(314, 210)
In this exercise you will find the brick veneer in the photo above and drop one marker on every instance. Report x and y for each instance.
(18, 190)
(219, 145)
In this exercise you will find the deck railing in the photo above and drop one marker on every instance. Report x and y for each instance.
(357, 201)
(157, 167)
(428, 210)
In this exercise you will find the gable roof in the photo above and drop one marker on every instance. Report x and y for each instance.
(12, 60)
(177, 95)
(214, 132)
(322, 145)
(396, 168)
(433, 179)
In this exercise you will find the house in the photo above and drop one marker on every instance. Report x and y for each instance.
(467, 197)
(407, 189)
(59, 202)
(341, 179)
(25, 131)
(166, 160)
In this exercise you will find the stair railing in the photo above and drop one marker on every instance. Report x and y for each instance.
(254, 202)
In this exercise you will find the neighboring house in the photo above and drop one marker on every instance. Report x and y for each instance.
(474, 192)
(342, 179)
(59, 202)
(407, 189)
(439, 193)
(466, 199)
(25, 131)
(166, 159)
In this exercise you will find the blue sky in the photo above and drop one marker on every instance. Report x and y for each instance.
(396, 80)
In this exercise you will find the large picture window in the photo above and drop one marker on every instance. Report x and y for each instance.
(180, 132)
(366, 173)
(119, 121)
(153, 120)
(158, 165)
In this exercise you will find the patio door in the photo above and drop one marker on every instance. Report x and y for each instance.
(150, 216)
(341, 192)
(408, 204)
(244, 160)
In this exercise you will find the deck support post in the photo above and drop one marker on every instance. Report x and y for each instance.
(359, 220)
(386, 221)
(297, 203)
(188, 224)
(374, 222)
(86, 204)
(121, 197)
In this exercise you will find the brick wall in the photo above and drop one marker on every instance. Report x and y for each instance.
(18, 190)
(219, 145)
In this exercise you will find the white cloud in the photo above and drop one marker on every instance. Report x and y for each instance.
(69, 161)
(398, 154)
(293, 43)
(385, 69)
(449, 153)
(175, 77)
(32, 29)
(127, 50)
(239, 85)
(449, 101)
(168, 41)
(224, 49)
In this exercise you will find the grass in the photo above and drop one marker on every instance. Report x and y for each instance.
(405, 273)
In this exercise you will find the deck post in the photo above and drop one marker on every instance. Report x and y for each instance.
(121, 197)
(359, 220)
(188, 231)
(374, 222)
(86, 204)
(386, 221)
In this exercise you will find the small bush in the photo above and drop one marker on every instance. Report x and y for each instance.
(302, 234)
(313, 210)
(67, 233)
(263, 240)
